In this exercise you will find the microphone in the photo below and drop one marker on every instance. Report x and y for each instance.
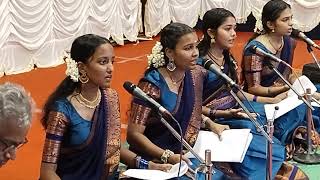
(136, 91)
(300, 35)
(261, 52)
(208, 64)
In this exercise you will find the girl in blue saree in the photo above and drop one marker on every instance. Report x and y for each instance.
(82, 119)
(176, 82)
(219, 35)
(262, 81)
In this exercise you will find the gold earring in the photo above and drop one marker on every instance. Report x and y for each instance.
(171, 66)
(83, 78)
(213, 40)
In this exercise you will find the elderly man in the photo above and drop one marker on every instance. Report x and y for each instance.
(15, 120)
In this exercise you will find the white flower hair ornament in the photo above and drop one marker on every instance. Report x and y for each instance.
(259, 27)
(72, 68)
(156, 58)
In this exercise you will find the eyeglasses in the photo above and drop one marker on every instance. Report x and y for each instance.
(13, 145)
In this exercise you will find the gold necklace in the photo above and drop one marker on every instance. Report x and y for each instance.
(274, 48)
(173, 81)
(87, 103)
(213, 58)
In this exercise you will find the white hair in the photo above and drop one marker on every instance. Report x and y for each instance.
(15, 105)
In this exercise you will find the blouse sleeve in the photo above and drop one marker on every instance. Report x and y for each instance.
(140, 110)
(252, 69)
(57, 125)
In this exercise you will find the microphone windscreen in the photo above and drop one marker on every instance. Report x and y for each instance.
(129, 86)
(295, 33)
(207, 63)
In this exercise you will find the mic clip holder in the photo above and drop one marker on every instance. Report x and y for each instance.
(207, 167)
(289, 84)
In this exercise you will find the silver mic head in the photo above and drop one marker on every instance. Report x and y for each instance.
(207, 156)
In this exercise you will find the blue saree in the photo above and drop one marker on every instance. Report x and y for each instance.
(218, 97)
(84, 149)
(257, 73)
(184, 106)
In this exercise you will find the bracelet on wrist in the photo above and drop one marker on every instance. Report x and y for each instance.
(254, 98)
(166, 155)
(141, 163)
(144, 164)
(137, 161)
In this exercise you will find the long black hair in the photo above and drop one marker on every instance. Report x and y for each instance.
(170, 36)
(213, 19)
(271, 12)
(82, 49)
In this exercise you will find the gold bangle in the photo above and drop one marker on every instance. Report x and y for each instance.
(165, 155)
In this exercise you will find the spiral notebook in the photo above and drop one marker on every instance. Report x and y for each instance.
(232, 147)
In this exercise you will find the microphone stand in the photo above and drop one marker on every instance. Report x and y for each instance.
(270, 129)
(310, 156)
(207, 164)
(254, 121)
(207, 167)
(178, 137)
(310, 50)
(287, 83)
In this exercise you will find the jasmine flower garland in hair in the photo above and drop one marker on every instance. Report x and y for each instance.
(259, 27)
(156, 58)
(72, 68)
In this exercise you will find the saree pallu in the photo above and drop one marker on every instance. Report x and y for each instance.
(99, 155)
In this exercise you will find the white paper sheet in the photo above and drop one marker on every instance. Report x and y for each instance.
(157, 174)
(306, 83)
(292, 100)
(285, 106)
(232, 148)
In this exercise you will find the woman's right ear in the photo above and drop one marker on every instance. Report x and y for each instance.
(81, 67)
(169, 53)
(211, 33)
